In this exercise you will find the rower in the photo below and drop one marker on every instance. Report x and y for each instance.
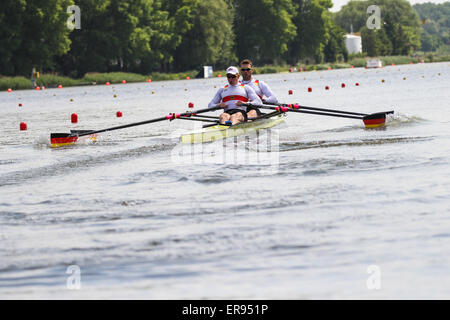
(261, 88)
(232, 96)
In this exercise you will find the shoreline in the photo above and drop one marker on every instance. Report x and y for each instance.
(56, 81)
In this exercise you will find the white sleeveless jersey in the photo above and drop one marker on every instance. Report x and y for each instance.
(262, 90)
(231, 94)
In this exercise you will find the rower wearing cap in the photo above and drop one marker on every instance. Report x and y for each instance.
(232, 96)
(260, 87)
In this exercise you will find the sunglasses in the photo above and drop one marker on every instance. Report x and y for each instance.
(246, 69)
(231, 76)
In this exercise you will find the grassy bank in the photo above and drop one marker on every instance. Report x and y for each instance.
(51, 80)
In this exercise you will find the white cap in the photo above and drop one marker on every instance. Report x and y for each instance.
(232, 70)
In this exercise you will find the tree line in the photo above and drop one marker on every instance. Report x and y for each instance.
(435, 20)
(144, 36)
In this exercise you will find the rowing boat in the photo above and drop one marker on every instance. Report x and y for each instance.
(220, 131)
(216, 131)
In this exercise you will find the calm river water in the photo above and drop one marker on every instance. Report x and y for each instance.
(330, 210)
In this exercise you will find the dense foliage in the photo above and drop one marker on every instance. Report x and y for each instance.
(146, 36)
(435, 20)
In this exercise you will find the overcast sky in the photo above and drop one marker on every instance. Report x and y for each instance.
(339, 3)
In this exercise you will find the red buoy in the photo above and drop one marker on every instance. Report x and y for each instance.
(107, 83)
(23, 126)
(119, 114)
(190, 105)
(357, 84)
(309, 89)
(59, 86)
(327, 88)
(20, 104)
(343, 85)
(219, 75)
(290, 91)
(9, 90)
(187, 78)
(149, 80)
(124, 81)
(74, 118)
(37, 88)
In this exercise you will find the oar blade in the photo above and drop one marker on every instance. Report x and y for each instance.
(376, 120)
(62, 139)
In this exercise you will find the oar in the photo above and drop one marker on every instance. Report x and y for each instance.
(294, 106)
(62, 139)
(373, 120)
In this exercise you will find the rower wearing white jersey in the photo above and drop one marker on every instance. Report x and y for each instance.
(232, 96)
(261, 88)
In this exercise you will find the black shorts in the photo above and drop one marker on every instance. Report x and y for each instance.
(258, 112)
(233, 111)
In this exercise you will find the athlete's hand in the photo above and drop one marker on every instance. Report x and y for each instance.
(223, 105)
(239, 103)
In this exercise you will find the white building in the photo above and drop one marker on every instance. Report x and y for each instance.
(353, 43)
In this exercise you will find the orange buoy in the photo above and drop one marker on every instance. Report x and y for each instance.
(149, 80)
(219, 75)
(23, 126)
(187, 78)
(9, 90)
(124, 81)
(37, 88)
(59, 86)
(74, 118)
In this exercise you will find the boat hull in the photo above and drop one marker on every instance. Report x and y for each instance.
(219, 132)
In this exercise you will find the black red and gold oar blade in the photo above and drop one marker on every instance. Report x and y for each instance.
(376, 120)
(62, 139)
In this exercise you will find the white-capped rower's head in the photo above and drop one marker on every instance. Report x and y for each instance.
(246, 69)
(232, 75)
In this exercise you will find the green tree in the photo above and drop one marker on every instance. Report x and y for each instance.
(335, 49)
(127, 35)
(263, 29)
(32, 33)
(93, 46)
(435, 22)
(311, 30)
(210, 41)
